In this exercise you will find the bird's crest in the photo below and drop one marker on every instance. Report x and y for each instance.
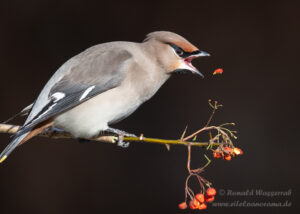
(170, 37)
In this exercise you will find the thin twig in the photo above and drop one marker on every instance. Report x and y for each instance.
(12, 129)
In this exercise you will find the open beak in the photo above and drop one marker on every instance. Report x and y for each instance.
(186, 64)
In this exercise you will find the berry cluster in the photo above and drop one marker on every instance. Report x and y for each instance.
(227, 152)
(200, 200)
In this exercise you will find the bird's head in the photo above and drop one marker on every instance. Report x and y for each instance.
(174, 52)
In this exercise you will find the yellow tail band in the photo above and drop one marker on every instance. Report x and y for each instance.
(3, 158)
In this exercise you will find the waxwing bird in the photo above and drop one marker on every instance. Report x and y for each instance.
(105, 84)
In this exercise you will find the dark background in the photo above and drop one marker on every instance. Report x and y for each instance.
(257, 44)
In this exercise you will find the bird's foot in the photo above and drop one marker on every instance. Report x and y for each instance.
(51, 129)
(121, 135)
(121, 142)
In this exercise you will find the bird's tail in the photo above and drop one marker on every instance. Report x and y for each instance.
(22, 136)
(11, 146)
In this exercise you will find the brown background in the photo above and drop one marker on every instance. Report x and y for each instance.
(256, 44)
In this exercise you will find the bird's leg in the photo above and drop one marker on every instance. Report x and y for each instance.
(119, 132)
(121, 135)
(51, 130)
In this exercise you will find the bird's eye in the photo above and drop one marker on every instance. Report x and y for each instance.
(179, 52)
(177, 49)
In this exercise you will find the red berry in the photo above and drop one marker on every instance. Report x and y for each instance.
(211, 192)
(195, 202)
(209, 199)
(192, 207)
(182, 206)
(228, 149)
(200, 197)
(217, 155)
(227, 157)
(237, 151)
(202, 206)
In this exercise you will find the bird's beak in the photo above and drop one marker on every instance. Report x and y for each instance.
(186, 64)
(202, 53)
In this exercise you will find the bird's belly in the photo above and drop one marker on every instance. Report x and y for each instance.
(89, 118)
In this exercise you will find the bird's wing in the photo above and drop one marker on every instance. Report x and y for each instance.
(95, 74)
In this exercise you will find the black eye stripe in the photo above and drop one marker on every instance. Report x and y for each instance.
(195, 52)
(184, 54)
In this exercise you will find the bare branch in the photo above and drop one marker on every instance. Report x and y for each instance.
(12, 129)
